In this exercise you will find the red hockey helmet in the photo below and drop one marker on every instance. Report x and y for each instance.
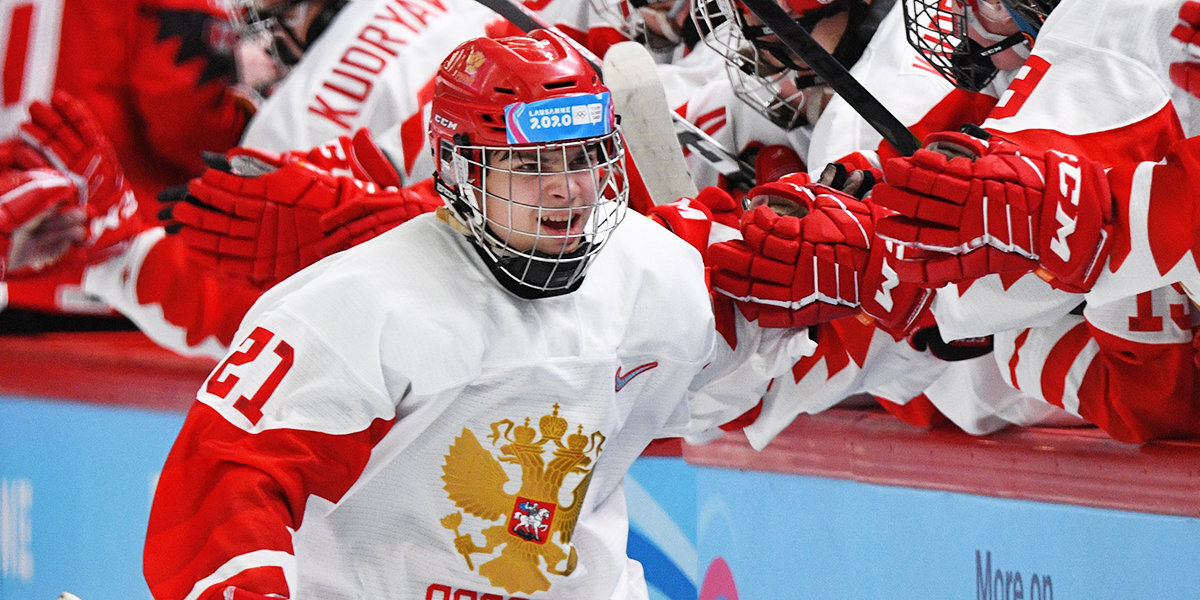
(522, 126)
(481, 77)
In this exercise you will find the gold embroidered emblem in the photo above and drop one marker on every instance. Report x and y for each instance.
(474, 61)
(530, 529)
(470, 67)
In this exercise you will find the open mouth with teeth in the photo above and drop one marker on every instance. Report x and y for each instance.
(561, 230)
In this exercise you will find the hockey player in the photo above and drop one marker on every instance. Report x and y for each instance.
(476, 374)
(1060, 211)
(899, 368)
(366, 75)
(1137, 122)
(138, 65)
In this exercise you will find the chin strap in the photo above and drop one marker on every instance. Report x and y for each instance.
(524, 276)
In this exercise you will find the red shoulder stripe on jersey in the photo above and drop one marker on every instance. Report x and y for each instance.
(711, 121)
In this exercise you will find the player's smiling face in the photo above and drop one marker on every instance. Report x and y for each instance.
(540, 199)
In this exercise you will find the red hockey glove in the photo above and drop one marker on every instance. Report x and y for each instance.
(263, 227)
(1010, 210)
(812, 264)
(66, 134)
(39, 220)
(357, 156)
(1186, 74)
(357, 221)
(16, 154)
(691, 218)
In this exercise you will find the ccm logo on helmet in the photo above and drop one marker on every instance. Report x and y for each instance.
(444, 122)
(1068, 188)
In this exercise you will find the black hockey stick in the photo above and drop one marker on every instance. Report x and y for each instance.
(792, 35)
(736, 171)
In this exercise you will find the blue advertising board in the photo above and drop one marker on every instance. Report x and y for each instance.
(75, 487)
(76, 482)
(800, 537)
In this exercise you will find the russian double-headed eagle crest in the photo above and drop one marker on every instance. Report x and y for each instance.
(527, 534)
(469, 67)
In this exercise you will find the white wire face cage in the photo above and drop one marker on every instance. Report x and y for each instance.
(281, 28)
(773, 91)
(539, 214)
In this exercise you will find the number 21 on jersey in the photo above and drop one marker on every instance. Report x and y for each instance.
(252, 394)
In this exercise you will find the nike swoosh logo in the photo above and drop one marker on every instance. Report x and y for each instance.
(623, 380)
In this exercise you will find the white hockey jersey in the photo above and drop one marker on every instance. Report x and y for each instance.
(892, 71)
(399, 426)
